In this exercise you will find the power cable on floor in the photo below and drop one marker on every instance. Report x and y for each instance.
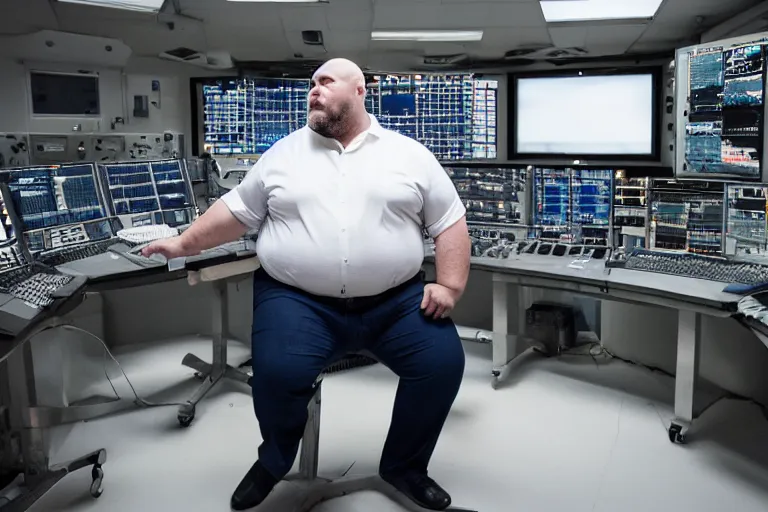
(139, 400)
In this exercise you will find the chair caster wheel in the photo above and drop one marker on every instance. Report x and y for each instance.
(676, 434)
(98, 477)
(186, 418)
(186, 414)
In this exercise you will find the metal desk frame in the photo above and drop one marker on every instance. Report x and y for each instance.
(508, 346)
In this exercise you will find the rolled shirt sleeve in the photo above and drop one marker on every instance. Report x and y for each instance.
(248, 200)
(442, 205)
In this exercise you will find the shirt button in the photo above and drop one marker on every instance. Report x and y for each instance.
(346, 260)
(343, 230)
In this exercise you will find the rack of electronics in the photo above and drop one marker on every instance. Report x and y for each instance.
(453, 115)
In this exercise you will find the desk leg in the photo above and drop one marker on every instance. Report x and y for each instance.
(218, 369)
(39, 477)
(506, 346)
(688, 340)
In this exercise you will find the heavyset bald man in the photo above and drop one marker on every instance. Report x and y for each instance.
(340, 206)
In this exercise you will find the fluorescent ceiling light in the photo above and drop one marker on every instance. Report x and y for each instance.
(427, 35)
(128, 5)
(593, 10)
(282, 1)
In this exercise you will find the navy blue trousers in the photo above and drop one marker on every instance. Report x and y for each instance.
(296, 335)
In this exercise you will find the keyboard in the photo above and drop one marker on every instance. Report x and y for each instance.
(33, 284)
(694, 265)
(75, 253)
(10, 278)
(146, 234)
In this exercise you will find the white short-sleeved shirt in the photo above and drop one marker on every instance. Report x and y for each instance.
(345, 222)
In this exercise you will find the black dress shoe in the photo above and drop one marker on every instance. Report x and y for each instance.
(420, 489)
(254, 488)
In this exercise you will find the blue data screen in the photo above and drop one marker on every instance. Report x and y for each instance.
(143, 187)
(50, 196)
(453, 115)
(247, 116)
(552, 196)
(592, 195)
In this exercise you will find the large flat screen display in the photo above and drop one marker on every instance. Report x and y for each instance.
(609, 115)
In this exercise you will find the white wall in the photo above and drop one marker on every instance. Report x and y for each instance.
(117, 88)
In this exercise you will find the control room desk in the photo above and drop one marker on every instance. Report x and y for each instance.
(692, 298)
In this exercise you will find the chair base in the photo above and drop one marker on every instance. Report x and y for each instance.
(19, 497)
(210, 377)
(296, 494)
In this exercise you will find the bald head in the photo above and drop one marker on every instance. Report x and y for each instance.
(342, 69)
(336, 101)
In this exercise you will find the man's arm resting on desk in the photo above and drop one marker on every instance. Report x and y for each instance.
(215, 227)
(452, 250)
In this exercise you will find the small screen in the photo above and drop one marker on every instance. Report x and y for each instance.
(585, 115)
(723, 130)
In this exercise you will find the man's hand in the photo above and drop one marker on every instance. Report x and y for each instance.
(168, 247)
(438, 301)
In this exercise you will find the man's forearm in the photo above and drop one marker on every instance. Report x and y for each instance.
(215, 227)
(452, 250)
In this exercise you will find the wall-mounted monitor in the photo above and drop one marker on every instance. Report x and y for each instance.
(720, 98)
(606, 114)
(64, 94)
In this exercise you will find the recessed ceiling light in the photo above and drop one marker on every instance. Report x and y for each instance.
(128, 5)
(594, 10)
(427, 35)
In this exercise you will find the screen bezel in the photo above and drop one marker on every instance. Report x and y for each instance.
(682, 84)
(653, 156)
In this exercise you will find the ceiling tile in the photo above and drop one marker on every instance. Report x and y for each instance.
(714, 11)
(618, 35)
(349, 18)
(337, 40)
(304, 18)
(516, 37)
(568, 37)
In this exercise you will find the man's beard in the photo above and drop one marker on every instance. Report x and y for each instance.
(332, 125)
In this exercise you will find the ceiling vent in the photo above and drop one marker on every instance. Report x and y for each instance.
(445, 60)
(312, 37)
(208, 60)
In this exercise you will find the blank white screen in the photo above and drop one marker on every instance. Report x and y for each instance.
(585, 115)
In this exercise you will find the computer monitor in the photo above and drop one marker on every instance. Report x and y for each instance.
(593, 114)
(746, 234)
(721, 110)
(573, 204)
(687, 216)
(148, 192)
(492, 195)
(56, 206)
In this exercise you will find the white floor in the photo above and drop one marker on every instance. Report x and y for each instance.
(572, 433)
